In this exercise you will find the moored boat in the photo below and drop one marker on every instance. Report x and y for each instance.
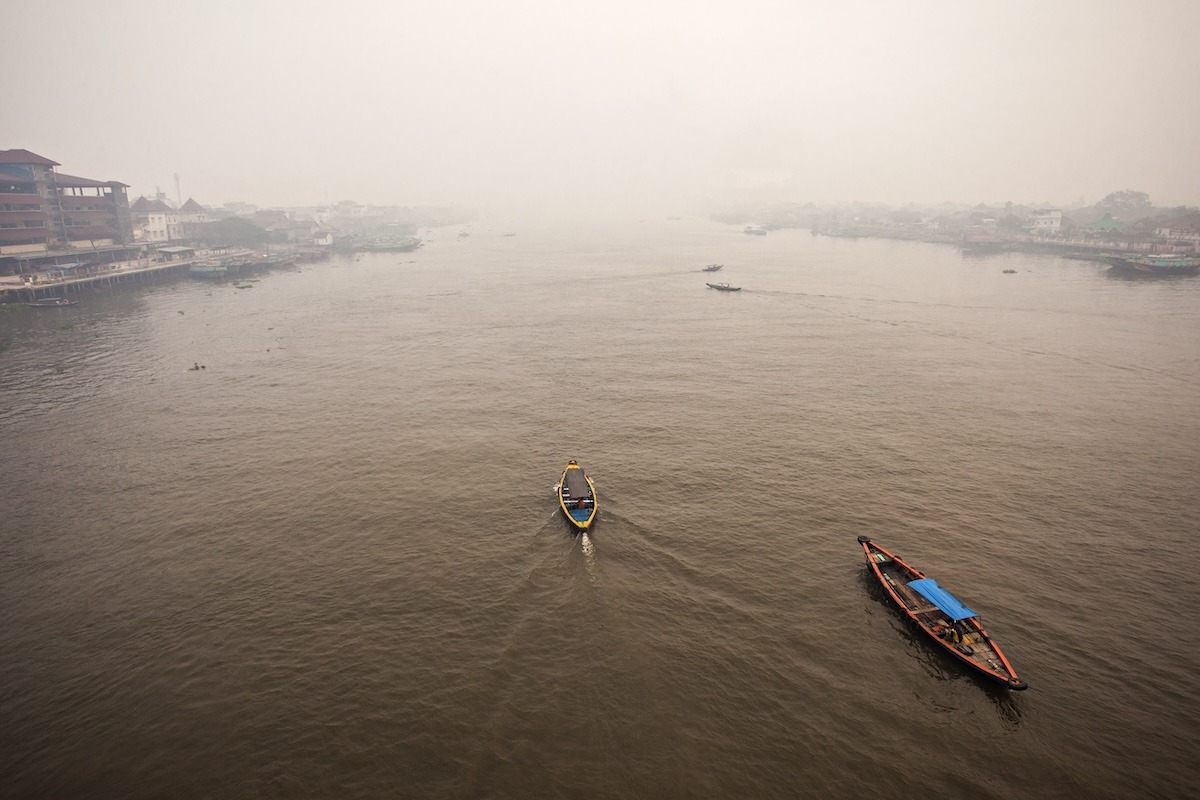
(1156, 265)
(51, 302)
(388, 244)
(577, 496)
(982, 242)
(208, 271)
(723, 287)
(940, 615)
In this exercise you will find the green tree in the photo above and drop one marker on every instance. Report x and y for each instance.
(1126, 203)
(233, 232)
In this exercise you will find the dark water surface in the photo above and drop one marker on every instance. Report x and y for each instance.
(329, 564)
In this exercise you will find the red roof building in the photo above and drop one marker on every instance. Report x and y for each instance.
(42, 210)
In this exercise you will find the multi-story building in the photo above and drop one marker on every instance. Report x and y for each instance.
(43, 210)
(155, 221)
(1045, 221)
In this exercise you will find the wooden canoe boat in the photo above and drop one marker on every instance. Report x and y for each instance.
(724, 287)
(51, 302)
(577, 496)
(943, 618)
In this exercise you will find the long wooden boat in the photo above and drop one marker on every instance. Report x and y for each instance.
(405, 244)
(51, 302)
(943, 618)
(1156, 264)
(208, 272)
(577, 496)
(723, 287)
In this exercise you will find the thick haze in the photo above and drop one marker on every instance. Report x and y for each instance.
(611, 106)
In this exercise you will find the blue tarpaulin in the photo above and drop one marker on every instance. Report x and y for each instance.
(929, 589)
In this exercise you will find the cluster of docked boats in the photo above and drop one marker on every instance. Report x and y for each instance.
(215, 269)
(942, 617)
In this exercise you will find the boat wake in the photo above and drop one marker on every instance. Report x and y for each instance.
(589, 557)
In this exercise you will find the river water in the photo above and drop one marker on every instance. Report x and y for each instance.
(329, 563)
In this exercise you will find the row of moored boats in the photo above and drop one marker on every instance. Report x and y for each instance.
(943, 618)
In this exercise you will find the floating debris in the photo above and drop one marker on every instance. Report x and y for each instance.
(196, 367)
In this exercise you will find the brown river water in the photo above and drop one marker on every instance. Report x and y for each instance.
(330, 564)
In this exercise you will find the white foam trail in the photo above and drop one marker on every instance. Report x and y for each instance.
(589, 555)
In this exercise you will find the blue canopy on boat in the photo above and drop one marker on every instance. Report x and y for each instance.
(929, 589)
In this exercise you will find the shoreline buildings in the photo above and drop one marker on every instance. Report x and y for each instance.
(42, 209)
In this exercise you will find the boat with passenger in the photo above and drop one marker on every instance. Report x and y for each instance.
(713, 267)
(577, 496)
(723, 287)
(940, 615)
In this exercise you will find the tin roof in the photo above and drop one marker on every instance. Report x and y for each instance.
(19, 156)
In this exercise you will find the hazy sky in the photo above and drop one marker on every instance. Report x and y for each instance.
(655, 106)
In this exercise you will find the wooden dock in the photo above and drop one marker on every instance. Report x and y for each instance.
(24, 288)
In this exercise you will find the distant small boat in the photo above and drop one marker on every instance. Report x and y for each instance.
(713, 267)
(51, 302)
(723, 287)
(754, 232)
(940, 615)
(577, 496)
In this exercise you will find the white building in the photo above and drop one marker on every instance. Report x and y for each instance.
(1045, 220)
(155, 221)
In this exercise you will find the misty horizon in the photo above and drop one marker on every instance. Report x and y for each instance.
(545, 111)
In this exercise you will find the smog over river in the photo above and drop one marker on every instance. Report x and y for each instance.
(306, 307)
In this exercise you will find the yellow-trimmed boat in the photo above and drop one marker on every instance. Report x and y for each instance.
(577, 496)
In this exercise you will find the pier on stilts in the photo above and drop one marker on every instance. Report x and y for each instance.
(28, 287)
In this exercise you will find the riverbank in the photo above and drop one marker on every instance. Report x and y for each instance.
(51, 282)
(1081, 248)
